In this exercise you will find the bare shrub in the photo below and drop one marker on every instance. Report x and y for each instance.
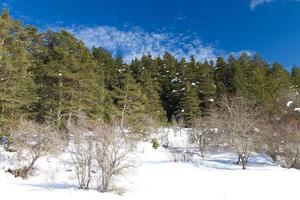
(288, 101)
(101, 147)
(204, 132)
(82, 149)
(287, 141)
(32, 141)
(282, 135)
(112, 151)
(164, 139)
(291, 145)
(239, 119)
(270, 140)
(178, 154)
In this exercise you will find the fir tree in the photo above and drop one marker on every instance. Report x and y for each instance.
(296, 76)
(146, 78)
(17, 89)
(131, 101)
(206, 85)
(51, 75)
(170, 85)
(68, 79)
(189, 105)
(221, 77)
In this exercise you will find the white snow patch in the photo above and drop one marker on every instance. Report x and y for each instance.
(297, 109)
(156, 177)
(288, 104)
(173, 80)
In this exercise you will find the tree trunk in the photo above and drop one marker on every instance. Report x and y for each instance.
(201, 152)
(123, 118)
(247, 158)
(105, 183)
(244, 161)
(273, 156)
(239, 159)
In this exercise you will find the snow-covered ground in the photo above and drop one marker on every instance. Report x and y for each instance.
(157, 177)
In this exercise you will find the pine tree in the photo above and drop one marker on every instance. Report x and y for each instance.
(170, 84)
(153, 107)
(205, 85)
(257, 81)
(221, 77)
(130, 101)
(17, 89)
(68, 79)
(236, 79)
(52, 75)
(189, 105)
(108, 78)
(277, 81)
(296, 76)
(110, 66)
(280, 77)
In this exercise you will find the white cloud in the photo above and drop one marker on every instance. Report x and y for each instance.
(256, 3)
(6, 4)
(134, 42)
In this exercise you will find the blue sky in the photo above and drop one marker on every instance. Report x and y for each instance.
(206, 28)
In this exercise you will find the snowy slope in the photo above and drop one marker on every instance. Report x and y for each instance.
(156, 177)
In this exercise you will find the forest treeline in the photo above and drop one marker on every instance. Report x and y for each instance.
(51, 75)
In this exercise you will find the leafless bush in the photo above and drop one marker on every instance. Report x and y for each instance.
(101, 147)
(32, 141)
(239, 119)
(82, 149)
(112, 151)
(204, 132)
(164, 139)
(282, 134)
(180, 154)
(270, 141)
(287, 133)
(288, 101)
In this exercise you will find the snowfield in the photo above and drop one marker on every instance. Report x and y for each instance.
(157, 177)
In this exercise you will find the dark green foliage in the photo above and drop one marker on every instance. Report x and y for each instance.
(130, 101)
(170, 84)
(155, 143)
(52, 75)
(189, 105)
(296, 76)
(221, 77)
(68, 80)
(145, 72)
(17, 89)
(205, 84)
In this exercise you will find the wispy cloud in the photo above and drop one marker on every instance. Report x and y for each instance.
(5, 4)
(134, 42)
(256, 3)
